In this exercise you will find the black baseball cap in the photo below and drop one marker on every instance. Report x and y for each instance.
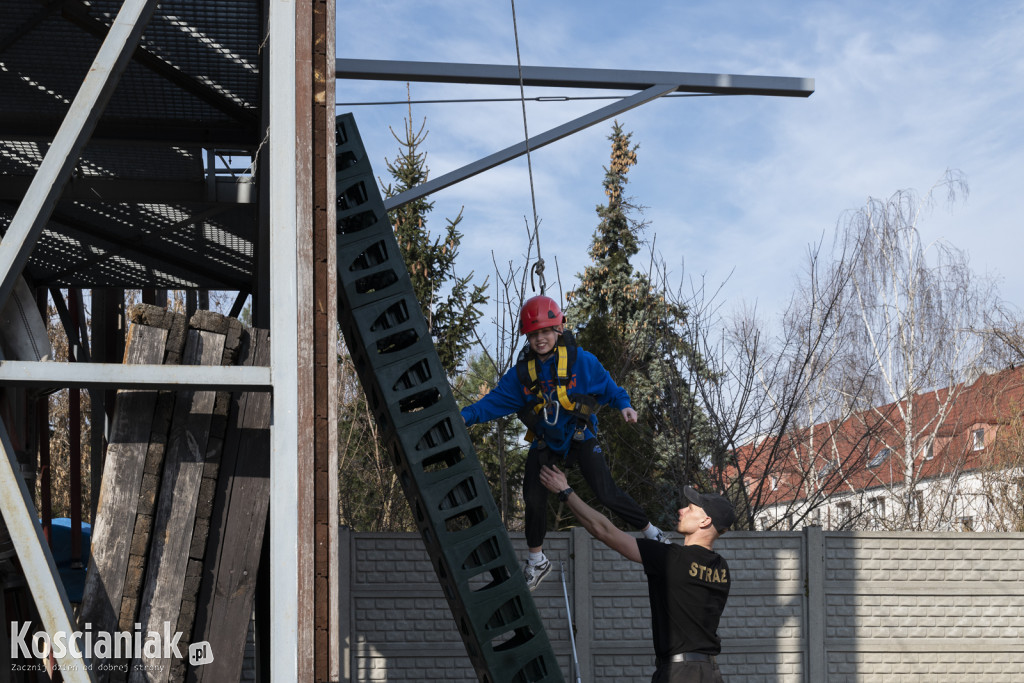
(717, 507)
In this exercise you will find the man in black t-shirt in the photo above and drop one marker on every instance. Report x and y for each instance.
(688, 584)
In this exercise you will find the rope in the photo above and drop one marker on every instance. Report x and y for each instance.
(538, 267)
(572, 636)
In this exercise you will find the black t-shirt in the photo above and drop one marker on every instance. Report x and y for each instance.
(688, 587)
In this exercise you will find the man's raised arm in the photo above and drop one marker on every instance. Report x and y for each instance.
(599, 526)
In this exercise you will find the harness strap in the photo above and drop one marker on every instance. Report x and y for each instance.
(530, 416)
(580, 406)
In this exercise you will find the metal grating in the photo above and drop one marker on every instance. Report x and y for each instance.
(140, 245)
(211, 45)
(140, 210)
(151, 162)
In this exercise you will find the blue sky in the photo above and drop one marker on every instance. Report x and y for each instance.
(736, 188)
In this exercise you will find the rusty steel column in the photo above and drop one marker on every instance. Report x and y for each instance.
(327, 655)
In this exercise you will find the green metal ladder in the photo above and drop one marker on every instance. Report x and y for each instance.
(412, 403)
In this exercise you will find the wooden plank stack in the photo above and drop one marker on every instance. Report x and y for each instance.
(159, 543)
(240, 506)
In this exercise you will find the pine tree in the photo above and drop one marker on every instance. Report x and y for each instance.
(639, 336)
(453, 314)
(371, 497)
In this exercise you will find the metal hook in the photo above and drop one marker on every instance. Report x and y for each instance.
(538, 268)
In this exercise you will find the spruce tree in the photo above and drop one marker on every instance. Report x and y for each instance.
(450, 303)
(639, 336)
(499, 445)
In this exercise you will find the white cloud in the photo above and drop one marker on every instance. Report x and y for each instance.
(903, 92)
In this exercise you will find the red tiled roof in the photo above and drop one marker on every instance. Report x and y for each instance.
(840, 452)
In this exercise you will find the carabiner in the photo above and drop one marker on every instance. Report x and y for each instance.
(548, 401)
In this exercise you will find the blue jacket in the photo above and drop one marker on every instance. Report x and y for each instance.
(588, 377)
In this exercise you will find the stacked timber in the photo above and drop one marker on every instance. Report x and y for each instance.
(158, 538)
(241, 503)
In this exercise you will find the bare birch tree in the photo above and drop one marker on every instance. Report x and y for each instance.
(916, 312)
(1004, 331)
(777, 400)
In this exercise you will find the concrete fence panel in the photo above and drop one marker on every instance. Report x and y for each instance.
(806, 607)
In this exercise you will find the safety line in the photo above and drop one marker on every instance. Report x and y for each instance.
(538, 267)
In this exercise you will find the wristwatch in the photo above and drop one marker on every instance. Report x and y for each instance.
(564, 495)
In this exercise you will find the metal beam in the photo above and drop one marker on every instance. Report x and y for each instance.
(652, 84)
(73, 333)
(126, 131)
(19, 515)
(535, 142)
(118, 376)
(48, 182)
(562, 77)
(225, 191)
(240, 299)
(285, 533)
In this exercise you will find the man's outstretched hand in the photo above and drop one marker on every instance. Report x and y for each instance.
(553, 479)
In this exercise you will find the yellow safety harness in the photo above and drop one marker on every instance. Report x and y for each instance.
(580, 406)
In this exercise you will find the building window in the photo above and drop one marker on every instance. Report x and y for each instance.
(919, 504)
(763, 520)
(880, 457)
(877, 505)
(845, 513)
(967, 524)
(928, 451)
(979, 439)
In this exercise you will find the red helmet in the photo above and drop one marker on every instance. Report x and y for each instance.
(539, 312)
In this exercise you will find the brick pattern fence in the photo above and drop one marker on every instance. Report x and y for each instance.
(806, 607)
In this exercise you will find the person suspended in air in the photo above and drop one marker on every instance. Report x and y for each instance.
(555, 389)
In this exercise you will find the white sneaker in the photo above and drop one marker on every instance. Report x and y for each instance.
(535, 573)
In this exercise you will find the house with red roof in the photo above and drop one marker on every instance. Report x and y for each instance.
(940, 460)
